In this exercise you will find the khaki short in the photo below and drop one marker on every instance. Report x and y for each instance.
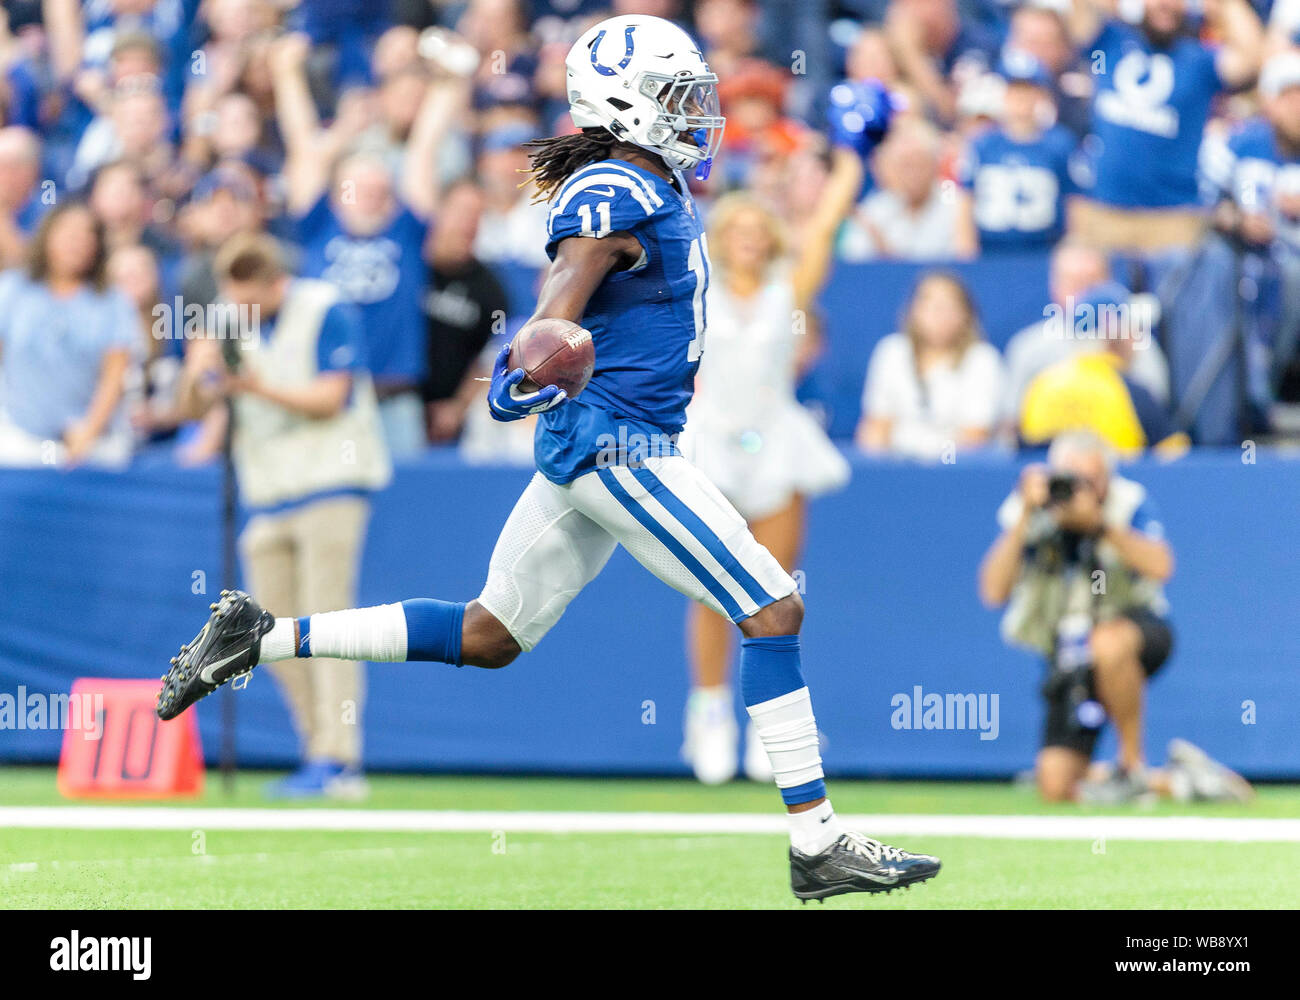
(1113, 229)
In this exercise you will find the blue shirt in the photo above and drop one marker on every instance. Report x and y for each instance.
(1148, 116)
(384, 275)
(647, 322)
(1019, 188)
(1252, 170)
(340, 345)
(52, 350)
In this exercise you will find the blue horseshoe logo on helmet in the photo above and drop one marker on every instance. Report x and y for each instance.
(627, 56)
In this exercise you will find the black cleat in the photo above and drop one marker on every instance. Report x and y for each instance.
(855, 863)
(228, 646)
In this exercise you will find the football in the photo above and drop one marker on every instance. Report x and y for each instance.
(554, 352)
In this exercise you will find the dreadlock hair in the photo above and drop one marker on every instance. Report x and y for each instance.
(553, 161)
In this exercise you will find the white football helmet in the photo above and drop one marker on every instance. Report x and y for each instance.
(644, 80)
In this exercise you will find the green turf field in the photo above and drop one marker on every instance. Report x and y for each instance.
(336, 868)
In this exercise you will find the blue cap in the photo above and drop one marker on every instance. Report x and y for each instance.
(225, 178)
(1017, 66)
(1104, 294)
(510, 136)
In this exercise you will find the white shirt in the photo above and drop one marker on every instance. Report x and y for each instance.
(926, 234)
(927, 414)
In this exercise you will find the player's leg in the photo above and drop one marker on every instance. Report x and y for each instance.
(675, 523)
(710, 744)
(781, 534)
(546, 554)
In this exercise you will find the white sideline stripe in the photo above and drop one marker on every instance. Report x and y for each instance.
(1234, 829)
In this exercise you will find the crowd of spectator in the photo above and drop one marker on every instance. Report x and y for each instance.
(1139, 142)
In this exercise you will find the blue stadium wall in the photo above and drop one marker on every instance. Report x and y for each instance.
(98, 572)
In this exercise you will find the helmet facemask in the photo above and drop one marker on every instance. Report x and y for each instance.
(688, 128)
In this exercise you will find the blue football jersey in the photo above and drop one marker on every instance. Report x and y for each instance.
(1018, 189)
(647, 322)
(1149, 113)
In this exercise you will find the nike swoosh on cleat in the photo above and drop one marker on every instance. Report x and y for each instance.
(206, 674)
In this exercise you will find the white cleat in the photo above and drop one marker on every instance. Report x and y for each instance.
(710, 746)
(1196, 776)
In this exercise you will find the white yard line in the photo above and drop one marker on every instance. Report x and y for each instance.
(1233, 829)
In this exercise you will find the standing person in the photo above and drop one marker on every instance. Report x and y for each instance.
(464, 304)
(308, 452)
(365, 234)
(1016, 175)
(1155, 82)
(66, 339)
(749, 435)
(629, 258)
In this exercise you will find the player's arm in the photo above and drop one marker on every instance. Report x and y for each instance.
(580, 265)
(1243, 41)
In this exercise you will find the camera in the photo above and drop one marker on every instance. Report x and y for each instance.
(1061, 487)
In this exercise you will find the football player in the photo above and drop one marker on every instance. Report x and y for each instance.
(629, 262)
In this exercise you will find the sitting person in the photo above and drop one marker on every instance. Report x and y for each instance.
(1095, 390)
(65, 346)
(934, 388)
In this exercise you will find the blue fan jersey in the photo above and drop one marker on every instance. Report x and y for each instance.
(1149, 114)
(1258, 175)
(647, 322)
(1018, 189)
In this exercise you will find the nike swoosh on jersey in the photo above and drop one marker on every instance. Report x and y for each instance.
(603, 192)
(206, 674)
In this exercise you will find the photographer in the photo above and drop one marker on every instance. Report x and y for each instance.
(308, 452)
(1082, 559)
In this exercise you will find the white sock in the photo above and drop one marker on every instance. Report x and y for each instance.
(814, 830)
(377, 634)
(278, 644)
(788, 731)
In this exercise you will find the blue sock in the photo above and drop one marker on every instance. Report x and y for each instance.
(433, 630)
(769, 669)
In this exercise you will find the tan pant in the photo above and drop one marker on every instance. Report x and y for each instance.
(298, 563)
(1113, 229)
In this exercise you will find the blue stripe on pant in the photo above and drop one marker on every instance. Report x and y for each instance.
(693, 523)
(693, 566)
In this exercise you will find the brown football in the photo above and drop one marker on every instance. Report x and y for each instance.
(554, 352)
